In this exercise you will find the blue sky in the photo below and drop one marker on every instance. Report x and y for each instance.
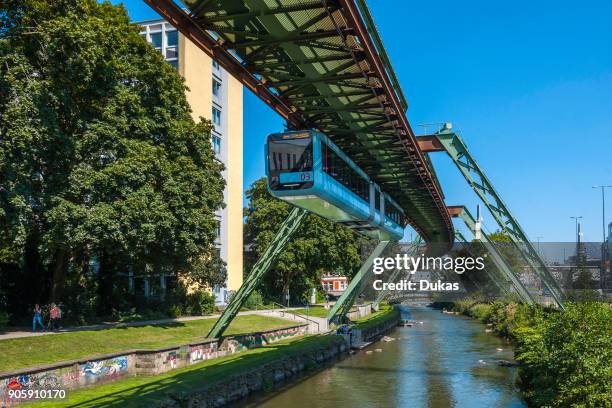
(528, 84)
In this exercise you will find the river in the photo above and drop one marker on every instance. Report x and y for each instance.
(447, 361)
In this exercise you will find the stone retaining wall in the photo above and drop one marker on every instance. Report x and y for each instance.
(262, 378)
(111, 367)
(372, 333)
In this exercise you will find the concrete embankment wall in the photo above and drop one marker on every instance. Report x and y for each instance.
(372, 333)
(360, 311)
(261, 378)
(106, 368)
(267, 376)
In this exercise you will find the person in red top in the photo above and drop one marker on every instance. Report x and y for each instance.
(55, 314)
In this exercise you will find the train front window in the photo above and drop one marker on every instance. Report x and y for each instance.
(289, 155)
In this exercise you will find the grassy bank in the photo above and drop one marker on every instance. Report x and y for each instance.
(316, 311)
(383, 315)
(565, 357)
(32, 351)
(145, 391)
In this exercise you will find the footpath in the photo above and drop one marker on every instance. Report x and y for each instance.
(17, 333)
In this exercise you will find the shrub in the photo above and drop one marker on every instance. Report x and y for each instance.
(4, 320)
(254, 301)
(200, 303)
(175, 311)
(566, 358)
(481, 311)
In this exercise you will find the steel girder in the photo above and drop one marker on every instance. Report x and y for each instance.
(448, 141)
(502, 288)
(261, 267)
(348, 297)
(499, 262)
(320, 64)
(394, 275)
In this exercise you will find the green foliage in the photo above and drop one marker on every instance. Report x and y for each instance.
(100, 159)
(4, 320)
(200, 303)
(565, 357)
(254, 301)
(319, 246)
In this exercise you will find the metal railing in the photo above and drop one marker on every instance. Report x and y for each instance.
(284, 309)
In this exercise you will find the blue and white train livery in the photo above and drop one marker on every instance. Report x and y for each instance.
(306, 169)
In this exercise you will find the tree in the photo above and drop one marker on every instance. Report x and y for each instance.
(100, 159)
(318, 246)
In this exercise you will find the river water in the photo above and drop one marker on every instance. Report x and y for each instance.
(447, 361)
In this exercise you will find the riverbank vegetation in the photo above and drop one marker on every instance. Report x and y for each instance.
(52, 348)
(565, 357)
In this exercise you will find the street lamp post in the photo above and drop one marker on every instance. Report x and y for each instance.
(576, 218)
(603, 224)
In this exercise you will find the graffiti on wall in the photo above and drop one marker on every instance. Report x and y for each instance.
(203, 352)
(171, 359)
(44, 380)
(250, 341)
(95, 371)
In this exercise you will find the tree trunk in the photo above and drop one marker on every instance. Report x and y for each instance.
(60, 271)
(34, 287)
(105, 284)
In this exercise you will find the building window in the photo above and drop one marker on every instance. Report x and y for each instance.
(163, 37)
(156, 40)
(216, 116)
(215, 65)
(172, 38)
(216, 87)
(171, 44)
(216, 144)
(218, 231)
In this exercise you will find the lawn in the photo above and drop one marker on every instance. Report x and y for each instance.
(32, 351)
(316, 311)
(145, 391)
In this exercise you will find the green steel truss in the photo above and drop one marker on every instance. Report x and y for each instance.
(396, 273)
(482, 186)
(493, 275)
(348, 297)
(499, 262)
(261, 267)
(321, 65)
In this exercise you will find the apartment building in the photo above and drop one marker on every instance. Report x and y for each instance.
(215, 95)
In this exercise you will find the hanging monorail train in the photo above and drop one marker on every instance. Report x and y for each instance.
(306, 169)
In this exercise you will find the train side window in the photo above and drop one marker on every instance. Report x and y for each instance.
(340, 170)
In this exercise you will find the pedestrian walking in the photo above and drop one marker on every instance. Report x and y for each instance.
(55, 314)
(37, 318)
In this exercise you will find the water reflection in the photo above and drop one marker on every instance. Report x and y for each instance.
(448, 361)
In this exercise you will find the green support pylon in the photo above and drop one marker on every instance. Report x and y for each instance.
(476, 178)
(263, 264)
(383, 293)
(499, 262)
(346, 301)
(492, 275)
